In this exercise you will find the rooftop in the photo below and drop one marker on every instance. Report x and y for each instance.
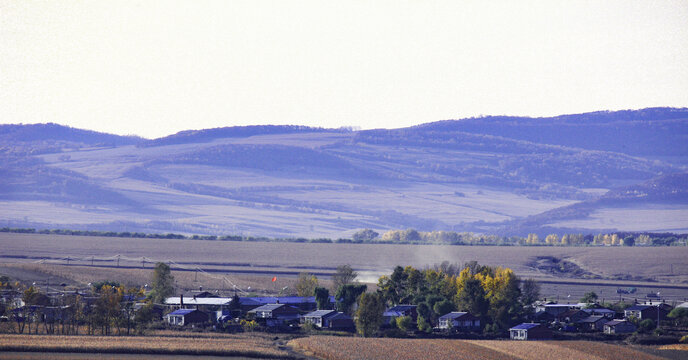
(182, 312)
(319, 313)
(525, 326)
(453, 315)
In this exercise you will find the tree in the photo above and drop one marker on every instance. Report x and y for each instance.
(404, 323)
(589, 298)
(306, 284)
(322, 298)
(347, 296)
(533, 239)
(443, 307)
(343, 276)
(471, 298)
(365, 235)
(162, 284)
(530, 291)
(552, 239)
(629, 241)
(646, 326)
(369, 315)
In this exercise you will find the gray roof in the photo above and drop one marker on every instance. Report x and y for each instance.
(339, 316)
(176, 300)
(452, 315)
(268, 307)
(592, 319)
(320, 313)
(617, 322)
(524, 326)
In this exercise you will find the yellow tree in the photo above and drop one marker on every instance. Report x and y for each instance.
(552, 239)
(533, 239)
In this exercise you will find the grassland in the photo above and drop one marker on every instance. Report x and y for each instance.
(244, 264)
(345, 348)
(253, 345)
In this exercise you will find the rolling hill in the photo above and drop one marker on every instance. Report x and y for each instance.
(492, 174)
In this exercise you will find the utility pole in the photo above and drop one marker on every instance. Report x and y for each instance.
(143, 262)
(117, 260)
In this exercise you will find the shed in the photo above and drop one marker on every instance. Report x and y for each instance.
(530, 331)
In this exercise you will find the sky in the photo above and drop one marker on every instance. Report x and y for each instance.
(153, 68)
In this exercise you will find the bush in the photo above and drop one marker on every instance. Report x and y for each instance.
(639, 339)
(404, 323)
(646, 326)
(684, 339)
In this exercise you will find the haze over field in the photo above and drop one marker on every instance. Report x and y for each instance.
(587, 173)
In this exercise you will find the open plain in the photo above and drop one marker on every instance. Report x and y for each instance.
(223, 264)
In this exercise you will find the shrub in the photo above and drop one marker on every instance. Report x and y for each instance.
(646, 326)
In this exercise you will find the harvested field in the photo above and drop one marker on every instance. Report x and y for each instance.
(350, 348)
(682, 347)
(236, 345)
(346, 348)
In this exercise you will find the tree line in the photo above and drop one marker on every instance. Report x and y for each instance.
(411, 237)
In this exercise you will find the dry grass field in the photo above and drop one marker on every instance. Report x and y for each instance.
(341, 348)
(252, 345)
(255, 263)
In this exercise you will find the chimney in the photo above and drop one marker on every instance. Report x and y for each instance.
(181, 301)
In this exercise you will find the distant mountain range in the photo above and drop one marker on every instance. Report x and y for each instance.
(590, 172)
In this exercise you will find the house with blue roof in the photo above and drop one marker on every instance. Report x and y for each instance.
(183, 317)
(530, 331)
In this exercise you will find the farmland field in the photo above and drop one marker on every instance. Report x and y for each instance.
(249, 345)
(336, 348)
(85, 259)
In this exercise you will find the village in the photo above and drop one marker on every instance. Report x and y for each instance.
(111, 309)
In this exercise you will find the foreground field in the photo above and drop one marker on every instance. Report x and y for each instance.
(340, 348)
(253, 346)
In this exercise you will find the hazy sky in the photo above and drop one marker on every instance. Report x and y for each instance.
(157, 67)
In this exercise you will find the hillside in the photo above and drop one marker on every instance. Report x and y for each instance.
(491, 174)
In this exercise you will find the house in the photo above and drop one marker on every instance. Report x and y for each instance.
(341, 321)
(572, 316)
(184, 317)
(609, 314)
(329, 319)
(642, 312)
(461, 321)
(305, 304)
(398, 311)
(530, 331)
(592, 323)
(275, 314)
(619, 327)
(208, 304)
(556, 309)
